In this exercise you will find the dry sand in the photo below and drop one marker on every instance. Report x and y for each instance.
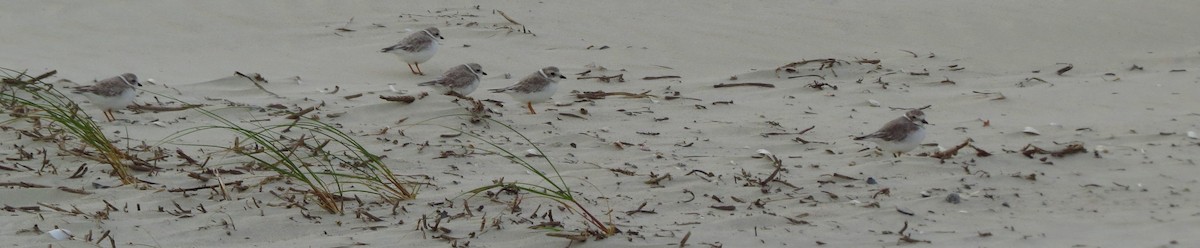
(1137, 194)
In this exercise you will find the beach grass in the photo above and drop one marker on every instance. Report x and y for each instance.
(553, 186)
(332, 164)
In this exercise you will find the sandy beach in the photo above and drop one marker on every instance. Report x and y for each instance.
(703, 88)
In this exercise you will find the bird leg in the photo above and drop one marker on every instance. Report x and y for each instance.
(530, 106)
(419, 69)
(410, 68)
(108, 116)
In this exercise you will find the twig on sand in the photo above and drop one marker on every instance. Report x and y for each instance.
(825, 64)
(821, 85)
(255, 79)
(303, 112)
(403, 99)
(593, 95)
(1064, 69)
(506, 17)
(1075, 147)
(683, 242)
(620, 78)
(907, 238)
(22, 184)
(921, 108)
(660, 77)
(148, 107)
(725, 85)
(948, 153)
(239, 182)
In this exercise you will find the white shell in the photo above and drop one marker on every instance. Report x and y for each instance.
(1031, 131)
(1192, 134)
(873, 103)
(533, 152)
(393, 88)
(60, 234)
(1101, 148)
(764, 152)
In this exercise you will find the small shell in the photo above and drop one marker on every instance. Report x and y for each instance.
(151, 80)
(60, 234)
(1192, 134)
(854, 202)
(925, 194)
(954, 198)
(871, 180)
(159, 123)
(764, 152)
(533, 152)
(874, 103)
(1101, 149)
(393, 88)
(1031, 131)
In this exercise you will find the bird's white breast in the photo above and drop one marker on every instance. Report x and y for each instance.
(419, 56)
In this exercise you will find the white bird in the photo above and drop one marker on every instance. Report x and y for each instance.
(900, 135)
(461, 79)
(112, 93)
(416, 48)
(537, 87)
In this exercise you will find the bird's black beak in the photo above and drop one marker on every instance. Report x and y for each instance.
(484, 73)
(440, 37)
(925, 122)
(562, 77)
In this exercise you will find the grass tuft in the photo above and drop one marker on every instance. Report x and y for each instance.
(313, 158)
(553, 186)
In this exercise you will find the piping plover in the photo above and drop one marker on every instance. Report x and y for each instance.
(461, 79)
(537, 87)
(417, 48)
(112, 93)
(900, 135)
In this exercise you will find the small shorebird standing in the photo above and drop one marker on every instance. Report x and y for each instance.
(537, 87)
(461, 79)
(417, 48)
(112, 93)
(900, 135)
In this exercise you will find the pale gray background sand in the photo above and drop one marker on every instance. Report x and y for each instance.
(195, 46)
